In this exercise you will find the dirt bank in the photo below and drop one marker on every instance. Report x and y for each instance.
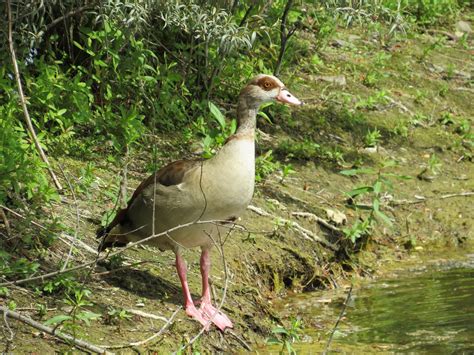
(419, 97)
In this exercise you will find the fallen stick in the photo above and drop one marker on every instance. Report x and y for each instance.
(317, 219)
(425, 199)
(60, 335)
(146, 315)
(142, 342)
(307, 234)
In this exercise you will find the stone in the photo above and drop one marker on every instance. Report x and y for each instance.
(337, 217)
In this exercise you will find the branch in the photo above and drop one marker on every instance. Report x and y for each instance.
(328, 344)
(317, 219)
(246, 16)
(130, 245)
(60, 335)
(425, 199)
(284, 35)
(66, 15)
(31, 130)
(62, 236)
(307, 234)
(142, 342)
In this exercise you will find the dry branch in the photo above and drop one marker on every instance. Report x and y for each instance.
(425, 199)
(147, 340)
(305, 233)
(137, 312)
(101, 258)
(29, 124)
(317, 219)
(60, 335)
(62, 236)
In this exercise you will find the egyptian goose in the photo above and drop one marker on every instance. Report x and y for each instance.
(218, 189)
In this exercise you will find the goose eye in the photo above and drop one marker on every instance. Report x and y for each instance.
(267, 84)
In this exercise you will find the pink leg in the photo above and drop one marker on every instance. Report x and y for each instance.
(208, 310)
(189, 306)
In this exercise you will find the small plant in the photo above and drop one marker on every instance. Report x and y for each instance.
(371, 79)
(446, 119)
(115, 316)
(264, 166)
(374, 192)
(287, 336)
(286, 170)
(434, 164)
(372, 138)
(373, 101)
(304, 150)
(77, 299)
(215, 136)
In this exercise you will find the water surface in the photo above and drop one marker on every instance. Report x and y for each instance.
(426, 310)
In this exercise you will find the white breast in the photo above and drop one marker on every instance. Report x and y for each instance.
(228, 179)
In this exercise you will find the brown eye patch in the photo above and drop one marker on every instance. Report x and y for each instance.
(267, 84)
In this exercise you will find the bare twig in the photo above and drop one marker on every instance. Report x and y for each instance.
(78, 220)
(121, 268)
(62, 236)
(123, 183)
(29, 124)
(328, 344)
(130, 245)
(60, 335)
(285, 35)
(425, 199)
(147, 340)
(239, 339)
(307, 234)
(66, 15)
(246, 16)
(137, 312)
(317, 219)
(400, 106)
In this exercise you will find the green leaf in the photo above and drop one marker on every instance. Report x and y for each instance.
(377, 187)
(58, 319)
(383, 217)
(359, 191)
(354, 172)
(376, 204)
(401, 177)
(86, 316)
(274, 341)
(279, 330)
(78, 45)
(219, 117)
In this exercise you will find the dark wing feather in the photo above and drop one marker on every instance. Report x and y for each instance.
(171, 174)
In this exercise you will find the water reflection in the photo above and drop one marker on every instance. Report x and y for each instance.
(428, 311)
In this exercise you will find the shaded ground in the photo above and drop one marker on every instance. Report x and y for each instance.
(417, 92)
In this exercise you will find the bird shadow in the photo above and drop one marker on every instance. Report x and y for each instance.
(146, 285)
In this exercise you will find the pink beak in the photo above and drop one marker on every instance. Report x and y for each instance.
(286, 97)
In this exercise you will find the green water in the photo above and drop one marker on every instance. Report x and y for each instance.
(427, 310)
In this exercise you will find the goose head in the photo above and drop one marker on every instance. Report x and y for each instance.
(265, 88)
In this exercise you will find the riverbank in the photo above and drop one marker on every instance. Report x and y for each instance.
(396, 113)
